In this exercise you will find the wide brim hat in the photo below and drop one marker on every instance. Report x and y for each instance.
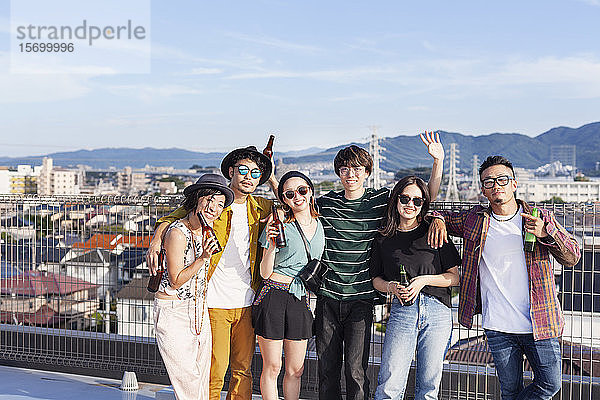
(211, 181)
(229, 159)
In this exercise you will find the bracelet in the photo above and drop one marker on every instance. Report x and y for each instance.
(388, 286)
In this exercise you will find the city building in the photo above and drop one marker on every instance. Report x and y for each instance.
(132, 183)
(59, 181)
(135, 309)
(538, 190)
(23, 180)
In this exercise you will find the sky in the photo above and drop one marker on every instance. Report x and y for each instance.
(225, 74)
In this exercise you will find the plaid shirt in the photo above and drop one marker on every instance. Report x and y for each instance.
(546, 315)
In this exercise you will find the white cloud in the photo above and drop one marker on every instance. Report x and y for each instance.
(591, 2)
(274, 42)
(371, 72)
(428, 45)
(418, 108)
(355, 97)
(580, 75)
(205, 71)
(149, 93)
(146, 120)
(37, 88)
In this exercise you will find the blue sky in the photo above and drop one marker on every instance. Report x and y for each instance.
(225, 74)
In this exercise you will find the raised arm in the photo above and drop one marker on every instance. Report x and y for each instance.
(273, 183)
(436, 151)
(268, 256)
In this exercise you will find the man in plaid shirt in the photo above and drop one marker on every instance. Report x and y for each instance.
(512, 288)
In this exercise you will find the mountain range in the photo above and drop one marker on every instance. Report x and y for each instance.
(522, 150)
(399, 152)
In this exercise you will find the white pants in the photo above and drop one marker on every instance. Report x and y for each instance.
(185, 354)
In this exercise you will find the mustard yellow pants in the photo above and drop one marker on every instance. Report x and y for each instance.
(233, 345)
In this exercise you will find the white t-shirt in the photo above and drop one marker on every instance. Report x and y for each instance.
(229, 286)
(503, 277)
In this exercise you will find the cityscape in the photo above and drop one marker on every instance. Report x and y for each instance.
(111, 109)
(73, 243)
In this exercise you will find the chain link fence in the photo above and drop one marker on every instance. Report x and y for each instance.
(73, 297)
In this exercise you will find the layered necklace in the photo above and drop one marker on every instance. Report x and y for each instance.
(205, 268)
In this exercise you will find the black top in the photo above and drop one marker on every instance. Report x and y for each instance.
(411, 250)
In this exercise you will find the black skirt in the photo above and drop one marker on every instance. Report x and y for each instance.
(278, 314)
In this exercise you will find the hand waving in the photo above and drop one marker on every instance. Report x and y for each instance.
(434, 146)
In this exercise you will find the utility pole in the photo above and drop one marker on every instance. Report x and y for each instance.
(474, 188)
(452, 189)
(375, 150)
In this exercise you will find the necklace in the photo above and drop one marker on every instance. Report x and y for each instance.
(309, 224)
(508, 219)
(205, 268)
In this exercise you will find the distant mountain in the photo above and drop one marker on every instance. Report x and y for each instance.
(136, 158)
(523, 151)
(399, 152)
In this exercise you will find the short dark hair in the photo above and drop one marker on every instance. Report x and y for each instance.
(353, 156)
(249, 155)
(496, 160)
(191, 201)
(392, 219)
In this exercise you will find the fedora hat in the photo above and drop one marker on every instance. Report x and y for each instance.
(230, 158)
(211, 181)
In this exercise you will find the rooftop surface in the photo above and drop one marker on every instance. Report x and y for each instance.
(29, 384)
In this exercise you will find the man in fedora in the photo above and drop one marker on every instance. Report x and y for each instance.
(233, 278)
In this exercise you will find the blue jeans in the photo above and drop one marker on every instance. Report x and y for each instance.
(544, 356)
(425, 326)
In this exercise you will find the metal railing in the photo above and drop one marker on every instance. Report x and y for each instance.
(73, 297)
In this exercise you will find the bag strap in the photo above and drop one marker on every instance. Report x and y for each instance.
(303, 239)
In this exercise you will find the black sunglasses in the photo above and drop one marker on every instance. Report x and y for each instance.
(417, 201)
(243, 170)
(502, 180)
(301, 190)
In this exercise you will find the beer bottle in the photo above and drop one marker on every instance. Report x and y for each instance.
(280, 238)
(404, 282)
(207, 232)
(268, 150)
(530, 237)
(154, 281)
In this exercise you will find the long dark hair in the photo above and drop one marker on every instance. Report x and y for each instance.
(392, 220)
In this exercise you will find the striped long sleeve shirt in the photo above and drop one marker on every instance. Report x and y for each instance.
(350, 226)
(546, 315)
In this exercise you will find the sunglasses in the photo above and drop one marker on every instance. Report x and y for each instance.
(417, 201)
(502, 180)
(243, 170)
(301, 190)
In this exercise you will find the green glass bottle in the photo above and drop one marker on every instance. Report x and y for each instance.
(530, 237)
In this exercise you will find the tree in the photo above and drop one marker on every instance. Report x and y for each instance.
(581, 178)
(555, 199)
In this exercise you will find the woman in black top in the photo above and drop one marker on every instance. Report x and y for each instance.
(420, 317)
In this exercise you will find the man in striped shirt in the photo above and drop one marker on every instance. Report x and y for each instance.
(344, 312)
